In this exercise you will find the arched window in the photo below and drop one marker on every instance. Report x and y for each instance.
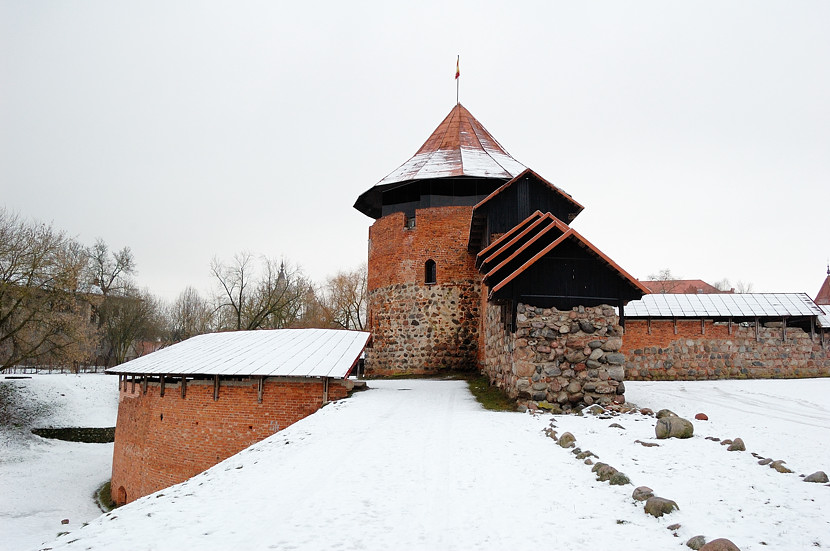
(430, 272)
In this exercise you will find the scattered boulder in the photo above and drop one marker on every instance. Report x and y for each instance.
(616, 426)
(818, 476)
(713, 438)
(726, 442)
(720, 544)
(642, 493)
(567, 440)
(737, 445)
(595, 410)
(659, 506)
(779, 466)
(696, 542)
(605, 472)
(619, 479)
(666, 413)
(646, 411)
(702, 417)
(673, 527)
(766, 461)
(588, 461)
(65, 521)
(647, 444)
(673, 427)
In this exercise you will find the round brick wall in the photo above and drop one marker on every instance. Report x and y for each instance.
(417, 326)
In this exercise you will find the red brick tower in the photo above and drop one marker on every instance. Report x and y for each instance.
(424, 289)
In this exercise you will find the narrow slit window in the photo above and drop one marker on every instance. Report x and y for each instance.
(430, 272)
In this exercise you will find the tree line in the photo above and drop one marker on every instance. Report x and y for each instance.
(66, 304)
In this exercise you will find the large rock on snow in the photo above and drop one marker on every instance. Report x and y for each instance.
(567, 440)
(696, 542)
(642, 493)
(673, 427)
(737, 445)
(818, 476)
(659, 506)
(720, 544)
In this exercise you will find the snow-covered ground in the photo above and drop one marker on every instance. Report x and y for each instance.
(43, 481)
(419, 465)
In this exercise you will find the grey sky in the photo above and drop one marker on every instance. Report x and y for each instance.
(696, 134)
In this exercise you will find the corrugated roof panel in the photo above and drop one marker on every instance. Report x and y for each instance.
(746, 305)
(268, 353)
(824, 320)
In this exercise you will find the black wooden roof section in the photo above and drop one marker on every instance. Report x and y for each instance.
(478, 224)
(512, 254)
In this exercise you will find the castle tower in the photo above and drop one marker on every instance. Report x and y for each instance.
(424, 288)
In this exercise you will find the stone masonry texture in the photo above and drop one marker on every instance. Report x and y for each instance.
(709, 351)
(567, 358)
(164, 440)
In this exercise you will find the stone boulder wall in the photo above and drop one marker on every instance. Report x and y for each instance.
(569, 358)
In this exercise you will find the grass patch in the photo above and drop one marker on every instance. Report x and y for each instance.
(103, 498)
(490, 397)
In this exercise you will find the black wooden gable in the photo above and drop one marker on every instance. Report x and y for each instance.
(513, 202)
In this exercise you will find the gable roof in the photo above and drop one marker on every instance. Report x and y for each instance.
(747, 305)
(824, 320)
(460, 146)
(478, 222)
(529, 242)
(268, 353)
(681, 286)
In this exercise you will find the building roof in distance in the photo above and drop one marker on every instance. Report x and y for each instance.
(823, 296)
(682, 286)
(264, 353)
(460, 146)
(747, 305)
(824, 320)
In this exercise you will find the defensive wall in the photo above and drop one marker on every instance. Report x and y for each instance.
(556, 359)
(691, 349)
(164, 436)
(420, 326)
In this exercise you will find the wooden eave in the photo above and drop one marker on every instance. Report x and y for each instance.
(510, 247)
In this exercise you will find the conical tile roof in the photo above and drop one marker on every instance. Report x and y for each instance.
(460, 146)
(823, 296)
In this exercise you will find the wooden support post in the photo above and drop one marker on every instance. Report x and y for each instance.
(675, 326)
(622, 316)
(260, 384)
(132, 388)
(161, 392)
(702, 326)
(325, 390)
(730, 326)
(215, 387)
(120, 382)
(648, 325)
(757, 331)
(184, 386)
(812, 329)
(784, 329)
(144, 385)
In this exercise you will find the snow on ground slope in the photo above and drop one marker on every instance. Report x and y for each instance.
(419, 465)
(43, 481)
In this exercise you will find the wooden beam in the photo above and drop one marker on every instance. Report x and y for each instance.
(184, 386)
(132, 388)
(757, 331)
(648, 321)
(730, 326)
(325, 390)
(784, 329)
(144, 385)
(675, 326)
(215, 387)
(161, 392)
(260, 384)
(702, 326)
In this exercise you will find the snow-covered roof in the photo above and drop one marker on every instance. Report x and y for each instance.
(722, 305)
(460, 146)
(824, 319)
(268, 353)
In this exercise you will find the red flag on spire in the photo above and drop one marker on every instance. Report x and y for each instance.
(458, 67)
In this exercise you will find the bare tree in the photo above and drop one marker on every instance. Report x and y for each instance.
(247, 300)
(663, 281)
(346, 299)
(42, 316)
(743, 287)
(127, 320)
(189, 315)
(110, 272)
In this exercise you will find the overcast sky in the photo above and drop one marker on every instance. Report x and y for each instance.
(696, 134)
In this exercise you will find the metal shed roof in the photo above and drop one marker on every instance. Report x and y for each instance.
(824, 320)
(268, 353)
(747, 305)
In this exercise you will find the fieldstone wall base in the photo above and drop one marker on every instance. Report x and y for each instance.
(559, 359)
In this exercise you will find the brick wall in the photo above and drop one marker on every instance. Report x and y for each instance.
(709, 351)
(164, 440)
(418, 328)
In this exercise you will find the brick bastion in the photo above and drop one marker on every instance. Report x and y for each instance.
(164, 436)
